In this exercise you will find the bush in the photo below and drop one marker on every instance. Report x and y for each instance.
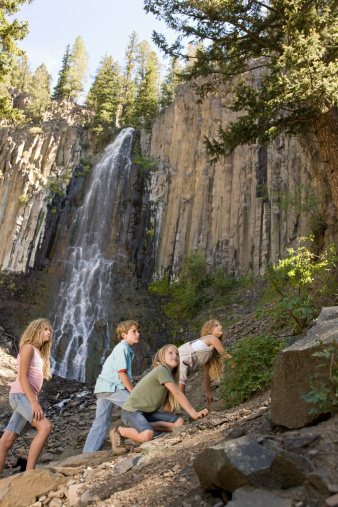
(324, 386)
(250, 369)
(302, 282)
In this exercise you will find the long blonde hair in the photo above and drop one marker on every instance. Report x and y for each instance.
(159, 360)
(33, 335)
(216, 360)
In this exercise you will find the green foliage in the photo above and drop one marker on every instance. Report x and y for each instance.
(301, 282)
(281, 58)
(250, 369)
(20, 74)
(23, 199)
(11, 31)
(35, 130)
(39, 89)
(146, 104)
(324, 384)
(104, 98)
(145, 163)
(55, 188)
(72, 74)
(224, 282)
(62, 89)
(172, 80)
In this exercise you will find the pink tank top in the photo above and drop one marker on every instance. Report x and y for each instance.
(35, 375)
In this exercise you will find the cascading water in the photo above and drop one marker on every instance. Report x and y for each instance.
(88, 270)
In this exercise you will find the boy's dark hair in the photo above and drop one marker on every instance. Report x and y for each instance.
(124, 327)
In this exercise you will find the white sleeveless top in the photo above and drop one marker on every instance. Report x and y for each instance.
(199, 345)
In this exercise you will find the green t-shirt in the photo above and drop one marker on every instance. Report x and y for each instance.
(150, 393)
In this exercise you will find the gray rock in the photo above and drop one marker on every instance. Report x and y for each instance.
(232, 464)
(267, 425)
(125, 465)
(236, 433)
(297, 442)
(320, 481)
(45, 458)
(294, 367)
(248, 497)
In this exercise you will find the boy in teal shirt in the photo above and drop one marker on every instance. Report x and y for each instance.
(113, 384)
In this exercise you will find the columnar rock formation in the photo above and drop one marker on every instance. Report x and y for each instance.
(35, 163)
(229, 210)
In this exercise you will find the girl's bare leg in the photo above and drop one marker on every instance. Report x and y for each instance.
(166, 426)
(6, 442)
(44, 428)
(133, 434)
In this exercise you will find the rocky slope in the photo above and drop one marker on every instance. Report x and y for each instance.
(162, 472)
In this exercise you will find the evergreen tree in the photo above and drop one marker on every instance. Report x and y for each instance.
(171, 82)
(40, 91)
(10, 32)
(62, 88)
(104, 97)
(129, 85)
(291, 46)
(21, 74)
(78, 68)
(147, 81)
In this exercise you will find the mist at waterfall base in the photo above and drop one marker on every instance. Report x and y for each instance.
(89, 270)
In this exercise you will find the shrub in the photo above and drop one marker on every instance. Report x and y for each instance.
(250, 369)
(23, 199)
(324, 386)
(301, 282)
(35, 130)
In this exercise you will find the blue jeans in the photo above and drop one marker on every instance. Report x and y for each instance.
(104, 407)
(22, 412)
(140, 420)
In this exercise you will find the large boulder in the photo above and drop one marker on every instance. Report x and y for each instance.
(23, 489)
(294, 368)
(250, 460)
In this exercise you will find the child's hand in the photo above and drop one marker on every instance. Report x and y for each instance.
(210, 398)
(202, 413)
(37, 412)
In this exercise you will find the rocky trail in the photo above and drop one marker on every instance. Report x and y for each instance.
(161, 472)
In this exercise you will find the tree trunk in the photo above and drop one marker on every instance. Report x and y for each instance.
(326, 127)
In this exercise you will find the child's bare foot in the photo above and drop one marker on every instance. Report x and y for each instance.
(117, 442)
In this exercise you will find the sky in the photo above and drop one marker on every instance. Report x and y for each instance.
(105, 26)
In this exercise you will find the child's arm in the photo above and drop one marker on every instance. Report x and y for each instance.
(26, 355)
(125, 380)
(207, 383)
(215, 343)
(183, 401)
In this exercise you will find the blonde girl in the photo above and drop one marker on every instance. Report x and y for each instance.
(33, 367)
(208, 352)
(141, 412)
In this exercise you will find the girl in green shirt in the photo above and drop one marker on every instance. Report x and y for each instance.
(159, 389)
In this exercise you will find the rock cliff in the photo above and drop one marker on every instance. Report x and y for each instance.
(231, 209)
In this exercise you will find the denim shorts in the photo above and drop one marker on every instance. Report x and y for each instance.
(22, 412)
(140, 420)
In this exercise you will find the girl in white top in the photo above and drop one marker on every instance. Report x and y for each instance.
(33, 367)
(208, 352)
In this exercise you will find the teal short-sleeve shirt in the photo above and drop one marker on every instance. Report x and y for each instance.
(120, 359)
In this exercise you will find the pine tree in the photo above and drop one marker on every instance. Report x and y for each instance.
(104, 97)
(78, 68)
(129, 85)
(171, 82)
(147, 81)
(10, 32)
(62, 88)
(21, 75)
(290, 45)
(40, 91)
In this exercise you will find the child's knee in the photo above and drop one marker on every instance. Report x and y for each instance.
(179, 422)
(146, 435)
(8, 439)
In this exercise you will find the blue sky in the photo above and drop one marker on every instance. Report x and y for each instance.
(105, 26)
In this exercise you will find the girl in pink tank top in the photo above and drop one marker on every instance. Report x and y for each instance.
(33, 367)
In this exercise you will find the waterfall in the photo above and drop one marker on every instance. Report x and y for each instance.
(88, 268)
